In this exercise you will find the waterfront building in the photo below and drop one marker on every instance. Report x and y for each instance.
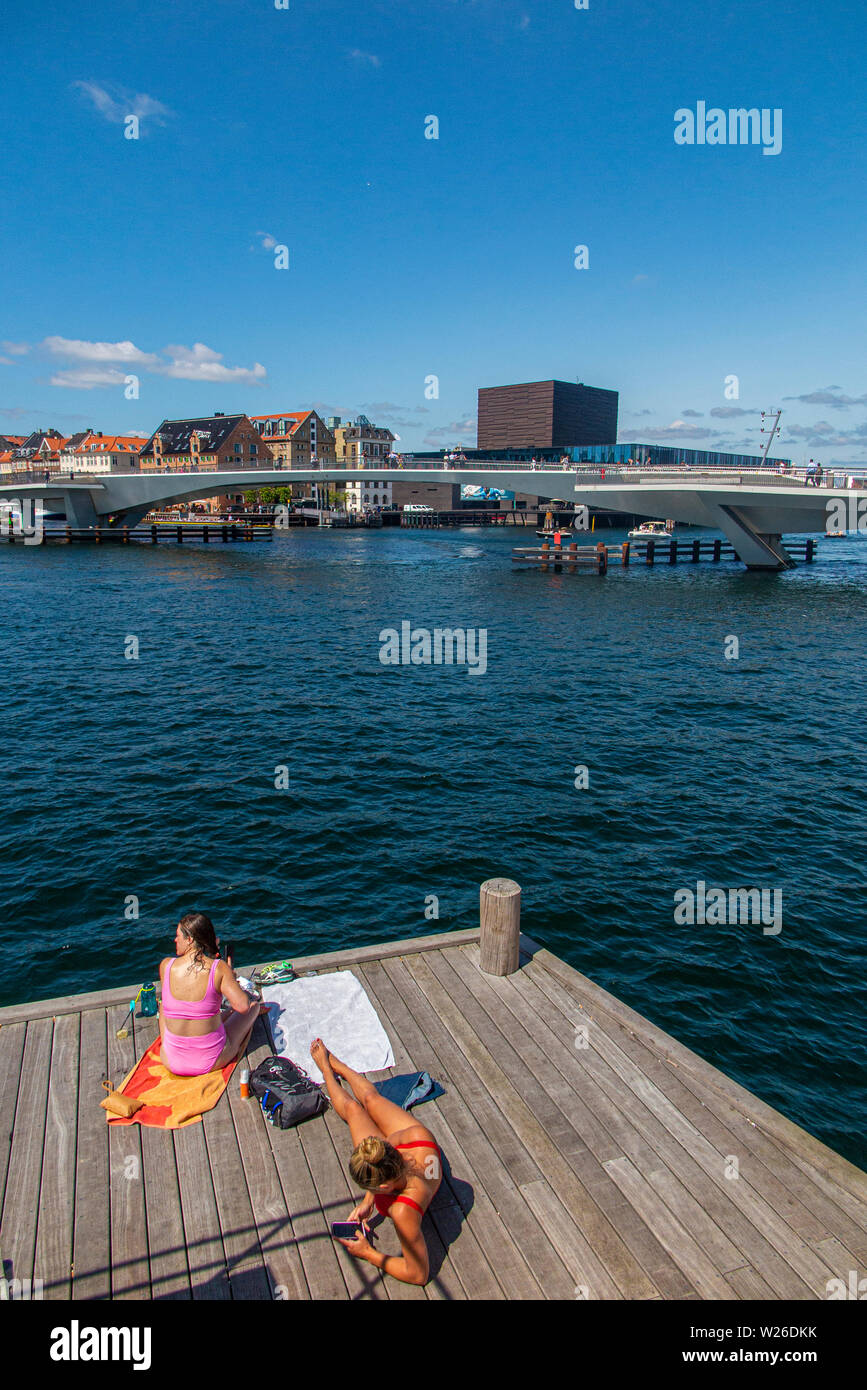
(546, 414)
(362, 445)
(297, 438)
(206, 445)
(97, 452)
(38, 452)
(359, 443)
(609, 455)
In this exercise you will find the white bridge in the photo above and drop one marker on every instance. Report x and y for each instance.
(753, 509)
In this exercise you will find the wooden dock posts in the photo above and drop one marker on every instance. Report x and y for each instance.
(597, 558)
(573, 556)
(499, 926)
(156, 532)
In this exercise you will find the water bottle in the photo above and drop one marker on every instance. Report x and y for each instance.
(148, 1002)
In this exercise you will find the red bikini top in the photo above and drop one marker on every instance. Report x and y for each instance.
(384, 1200)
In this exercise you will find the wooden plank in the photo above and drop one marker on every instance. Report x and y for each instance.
(475, 1003)
(520, 995)
(503, 1225)
(760, 1219)
(12, 1038)
(587, 1271)
(843, 1265)
(686, 1252)
(614, 1254)
(130, 1268)
(206, 1260)
(798, 1199)
(244, 1261)
(24, 1174)
(53, 1259)
(270, 1212)
(170, 1277)
(91, 1248)
(469, 1204)
(165, 1223)
(789, 1134)
(313, 1243)
(750, 1286)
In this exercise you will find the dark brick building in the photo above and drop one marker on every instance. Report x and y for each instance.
(546, 414)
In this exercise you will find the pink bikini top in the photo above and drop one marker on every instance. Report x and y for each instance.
(208, 1007)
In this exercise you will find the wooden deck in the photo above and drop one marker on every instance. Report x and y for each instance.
(601, 1171)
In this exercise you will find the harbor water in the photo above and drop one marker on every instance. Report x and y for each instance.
(212, 727)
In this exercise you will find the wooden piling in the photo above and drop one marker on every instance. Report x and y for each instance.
(624, 553)
(672, 551)
(601, 558)
(650, 551)
(717, 549)
(500, 926)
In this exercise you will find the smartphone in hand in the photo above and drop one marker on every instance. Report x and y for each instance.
(345, 1230)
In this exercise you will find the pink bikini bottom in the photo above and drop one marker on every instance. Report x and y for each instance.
(192, 1056)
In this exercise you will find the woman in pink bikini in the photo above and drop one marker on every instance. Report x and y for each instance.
(398, 1162)
(195, 1037)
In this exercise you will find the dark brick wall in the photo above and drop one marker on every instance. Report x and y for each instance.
(546, 414)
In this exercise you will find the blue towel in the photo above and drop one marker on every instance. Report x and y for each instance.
(413, 1088)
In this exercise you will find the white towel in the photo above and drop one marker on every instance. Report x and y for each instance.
(334, 1008)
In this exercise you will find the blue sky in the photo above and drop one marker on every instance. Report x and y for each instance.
(411, 258)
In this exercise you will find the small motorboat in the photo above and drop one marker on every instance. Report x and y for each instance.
(652, 531)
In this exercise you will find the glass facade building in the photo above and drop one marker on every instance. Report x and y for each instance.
(608, 455)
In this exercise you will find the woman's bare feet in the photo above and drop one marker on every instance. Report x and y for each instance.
(321, 1056)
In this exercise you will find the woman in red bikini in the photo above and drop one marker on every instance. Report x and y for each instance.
(398, 1162)
(195, 1037)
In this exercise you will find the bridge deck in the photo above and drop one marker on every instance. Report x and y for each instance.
(604, 1168)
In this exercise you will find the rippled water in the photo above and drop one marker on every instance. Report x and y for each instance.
(155, 777)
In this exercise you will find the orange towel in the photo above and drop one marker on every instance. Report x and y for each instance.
(169, 1101)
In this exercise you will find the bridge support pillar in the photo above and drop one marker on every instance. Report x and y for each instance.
(80, 511)
(757, 550)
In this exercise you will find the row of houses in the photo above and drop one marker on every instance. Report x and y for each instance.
(217, 443)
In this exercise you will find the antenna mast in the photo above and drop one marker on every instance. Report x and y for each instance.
(771, 432)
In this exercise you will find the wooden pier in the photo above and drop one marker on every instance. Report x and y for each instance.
(573, 558)
(588, 1155)
(149, 534)
(477, 517)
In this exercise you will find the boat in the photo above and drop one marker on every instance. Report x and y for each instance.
(652, 531)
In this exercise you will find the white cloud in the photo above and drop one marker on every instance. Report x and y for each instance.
(90, 364)
(116, 103)
(361, 57)
(268, 241)
(86, 378)
(17, 349)
(201, 363)
(79, 350)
